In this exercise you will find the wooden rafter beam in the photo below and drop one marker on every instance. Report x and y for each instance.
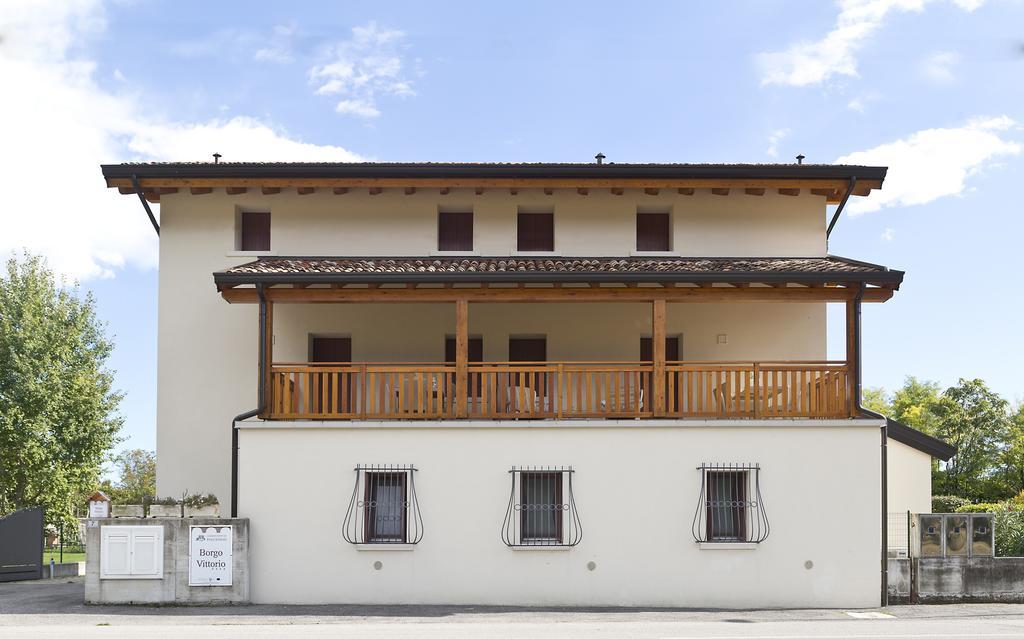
(790, 192)
(617, 191)
(720, 191)
(375, 190)
(582, 191)
(200, 190)
(479, 190)
(445, 190)
(566, 294)
(270, 190)
(340, 190)
(236, 190)
(754, 191)
(305, 190)
(685, 191)
(409, 190)
(652, 191)
(837, 187)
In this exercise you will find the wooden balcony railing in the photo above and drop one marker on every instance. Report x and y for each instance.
(551, 390)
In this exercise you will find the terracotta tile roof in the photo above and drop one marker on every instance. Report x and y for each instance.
(654, 269)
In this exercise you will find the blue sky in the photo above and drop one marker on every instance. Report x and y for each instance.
(932, 89)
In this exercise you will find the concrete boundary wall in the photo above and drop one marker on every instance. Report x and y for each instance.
(173, 586)
(957, 580)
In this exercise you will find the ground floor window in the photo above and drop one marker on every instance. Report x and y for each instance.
(384, 508)
(541, 509)
(730, 508)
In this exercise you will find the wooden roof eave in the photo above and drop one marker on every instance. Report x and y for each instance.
(518, 292)
(832, 189)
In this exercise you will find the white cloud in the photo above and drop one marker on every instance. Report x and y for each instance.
(361, 68)
(934, 163)
(861, 103)
(774, 138)
(59, 125)
(938, 66)
(810, 63)
(888, 234)
(279, 47)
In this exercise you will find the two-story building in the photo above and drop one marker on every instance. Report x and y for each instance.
(525, 384)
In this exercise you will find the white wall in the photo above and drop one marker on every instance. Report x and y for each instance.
(207, 349)
(636, 489)
(910, 479)
(581, 331)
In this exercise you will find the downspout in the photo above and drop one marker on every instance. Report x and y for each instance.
(885, 442)
(145, 204)
(261, 391)
(839, 209)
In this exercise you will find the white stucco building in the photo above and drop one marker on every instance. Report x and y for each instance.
(526, 384)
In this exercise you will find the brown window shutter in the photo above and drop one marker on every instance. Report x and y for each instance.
(455, 231)
(652, 232)
(255, 231)
(536, 232)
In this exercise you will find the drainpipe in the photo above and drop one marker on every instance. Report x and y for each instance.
(839, 209)
(885, 440)
(261, 392)
(145, 204)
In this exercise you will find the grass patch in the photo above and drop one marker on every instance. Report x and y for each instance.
(69, 557)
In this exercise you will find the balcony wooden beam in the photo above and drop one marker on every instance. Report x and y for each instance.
(676, 294)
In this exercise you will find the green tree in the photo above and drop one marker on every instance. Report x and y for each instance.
(58, 407)
(876, 399)
(975, 420)
(1013, 454)
(914, 405)
(136, 482)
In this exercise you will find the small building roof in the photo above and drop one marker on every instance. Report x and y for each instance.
(728, 270)
(918, 440)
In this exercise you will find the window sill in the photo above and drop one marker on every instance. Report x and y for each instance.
(389, 547)
(536, 254)
(654, 253)
(455, 254)
(726, 545)
(541, 547)
(250, 253)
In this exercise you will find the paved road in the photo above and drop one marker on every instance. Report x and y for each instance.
(55, 609)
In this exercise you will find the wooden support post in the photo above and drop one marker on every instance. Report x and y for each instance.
(268, 354)
(658, 351)
(851, 354)
(461, 358)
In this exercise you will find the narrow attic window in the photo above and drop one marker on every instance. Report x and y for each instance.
(536, 232)
(653, 232)
(254, 231)
(454, 231)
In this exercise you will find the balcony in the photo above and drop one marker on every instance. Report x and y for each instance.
(560, 390)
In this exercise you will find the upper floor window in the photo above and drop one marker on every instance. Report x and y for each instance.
(253, 231)
(729, 509)
(536, 232)
(653, 232)
(454, 231)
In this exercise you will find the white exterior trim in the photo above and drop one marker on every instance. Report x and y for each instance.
(386, 547)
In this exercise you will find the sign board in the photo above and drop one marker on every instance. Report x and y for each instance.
(209, 555)
(99, 509)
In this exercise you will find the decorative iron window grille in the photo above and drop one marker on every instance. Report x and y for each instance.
(730, 508)
(541, 508)
(383, 508)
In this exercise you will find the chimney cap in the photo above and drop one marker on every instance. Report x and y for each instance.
(216, 158)
(800, 158)
(599, 157)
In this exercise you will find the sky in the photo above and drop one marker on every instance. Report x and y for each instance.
(933, 89)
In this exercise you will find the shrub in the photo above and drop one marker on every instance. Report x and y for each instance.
(1008, 521)
(948, 503)
(165, 501)
(198, 501)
